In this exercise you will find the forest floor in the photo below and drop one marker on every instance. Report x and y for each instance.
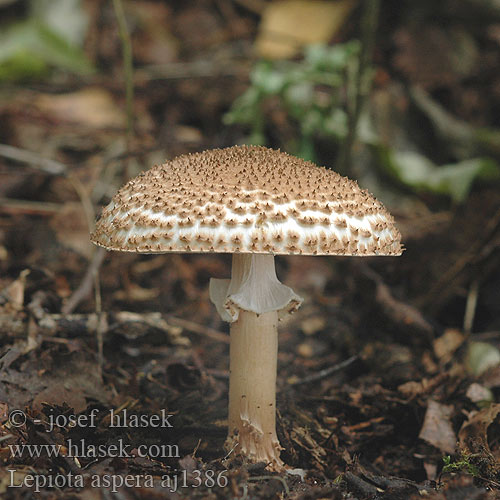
(387, 375)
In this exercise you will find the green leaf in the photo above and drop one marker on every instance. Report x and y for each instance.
(455, 180)
(309, 92)
(480, 357)
(67, 18)
(332, 58)
(268, 79)
(28, 49)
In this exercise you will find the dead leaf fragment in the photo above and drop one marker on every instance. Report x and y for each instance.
(313, 324)
(473, 439)
(415, 388)
(91, 107)
(71, 229)
(437, 429)
(58, 394)
(302, 438)
(137, 293)
(430, 470)
(446, 345)
(478, 393)
(14, 293)
(4, 412)
(473, 434)
(288, 26)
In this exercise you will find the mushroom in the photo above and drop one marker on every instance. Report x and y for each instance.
(254, 203)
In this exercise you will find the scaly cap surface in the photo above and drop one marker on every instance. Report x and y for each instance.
(247, 199)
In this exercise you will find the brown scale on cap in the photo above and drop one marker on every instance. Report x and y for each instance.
(246, 199)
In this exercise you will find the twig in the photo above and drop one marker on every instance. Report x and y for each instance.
(101, 321)
(85, 200)
(86, 285)
(200, 329)
(56, 168)
(462, 138)
(75, 324)
(220, 374)
(12, 206)
(369, 22)
(435, 295)
(219, 68)
(326, 372)
(397, 310)
(470, 306)
(51, 167)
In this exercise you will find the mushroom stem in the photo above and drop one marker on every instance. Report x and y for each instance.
(251, 301)
(252, 387)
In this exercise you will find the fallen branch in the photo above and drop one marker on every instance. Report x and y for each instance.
(80, 325)
(206, 331)
(46, 165)
(43, 208)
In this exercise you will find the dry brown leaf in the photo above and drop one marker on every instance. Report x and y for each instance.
(491, 378)
(14, 293)
(413, 388)
(136, 293)
(71, 229)
(289, 25)
(478, 393)
(437, 429)
(91, 107)
(71, 384)
(473, 434)
(153, 41)
(473, 439)
(4, 412)
(313, 324)
(446, 345)
(57, 394)
(302, 438)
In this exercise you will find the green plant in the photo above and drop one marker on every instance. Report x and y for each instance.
(310, 91)
(50, 37)
(463, 464)
(421, 174)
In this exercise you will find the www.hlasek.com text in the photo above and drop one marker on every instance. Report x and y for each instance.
(82, 450)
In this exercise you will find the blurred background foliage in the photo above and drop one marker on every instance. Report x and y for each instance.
(404, 97)
(51, 35)
(316, 94)
(304, 90)
(310, 92)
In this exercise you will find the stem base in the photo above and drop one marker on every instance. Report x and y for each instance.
(252, 388)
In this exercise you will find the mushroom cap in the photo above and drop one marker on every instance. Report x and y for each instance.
(247, 199)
